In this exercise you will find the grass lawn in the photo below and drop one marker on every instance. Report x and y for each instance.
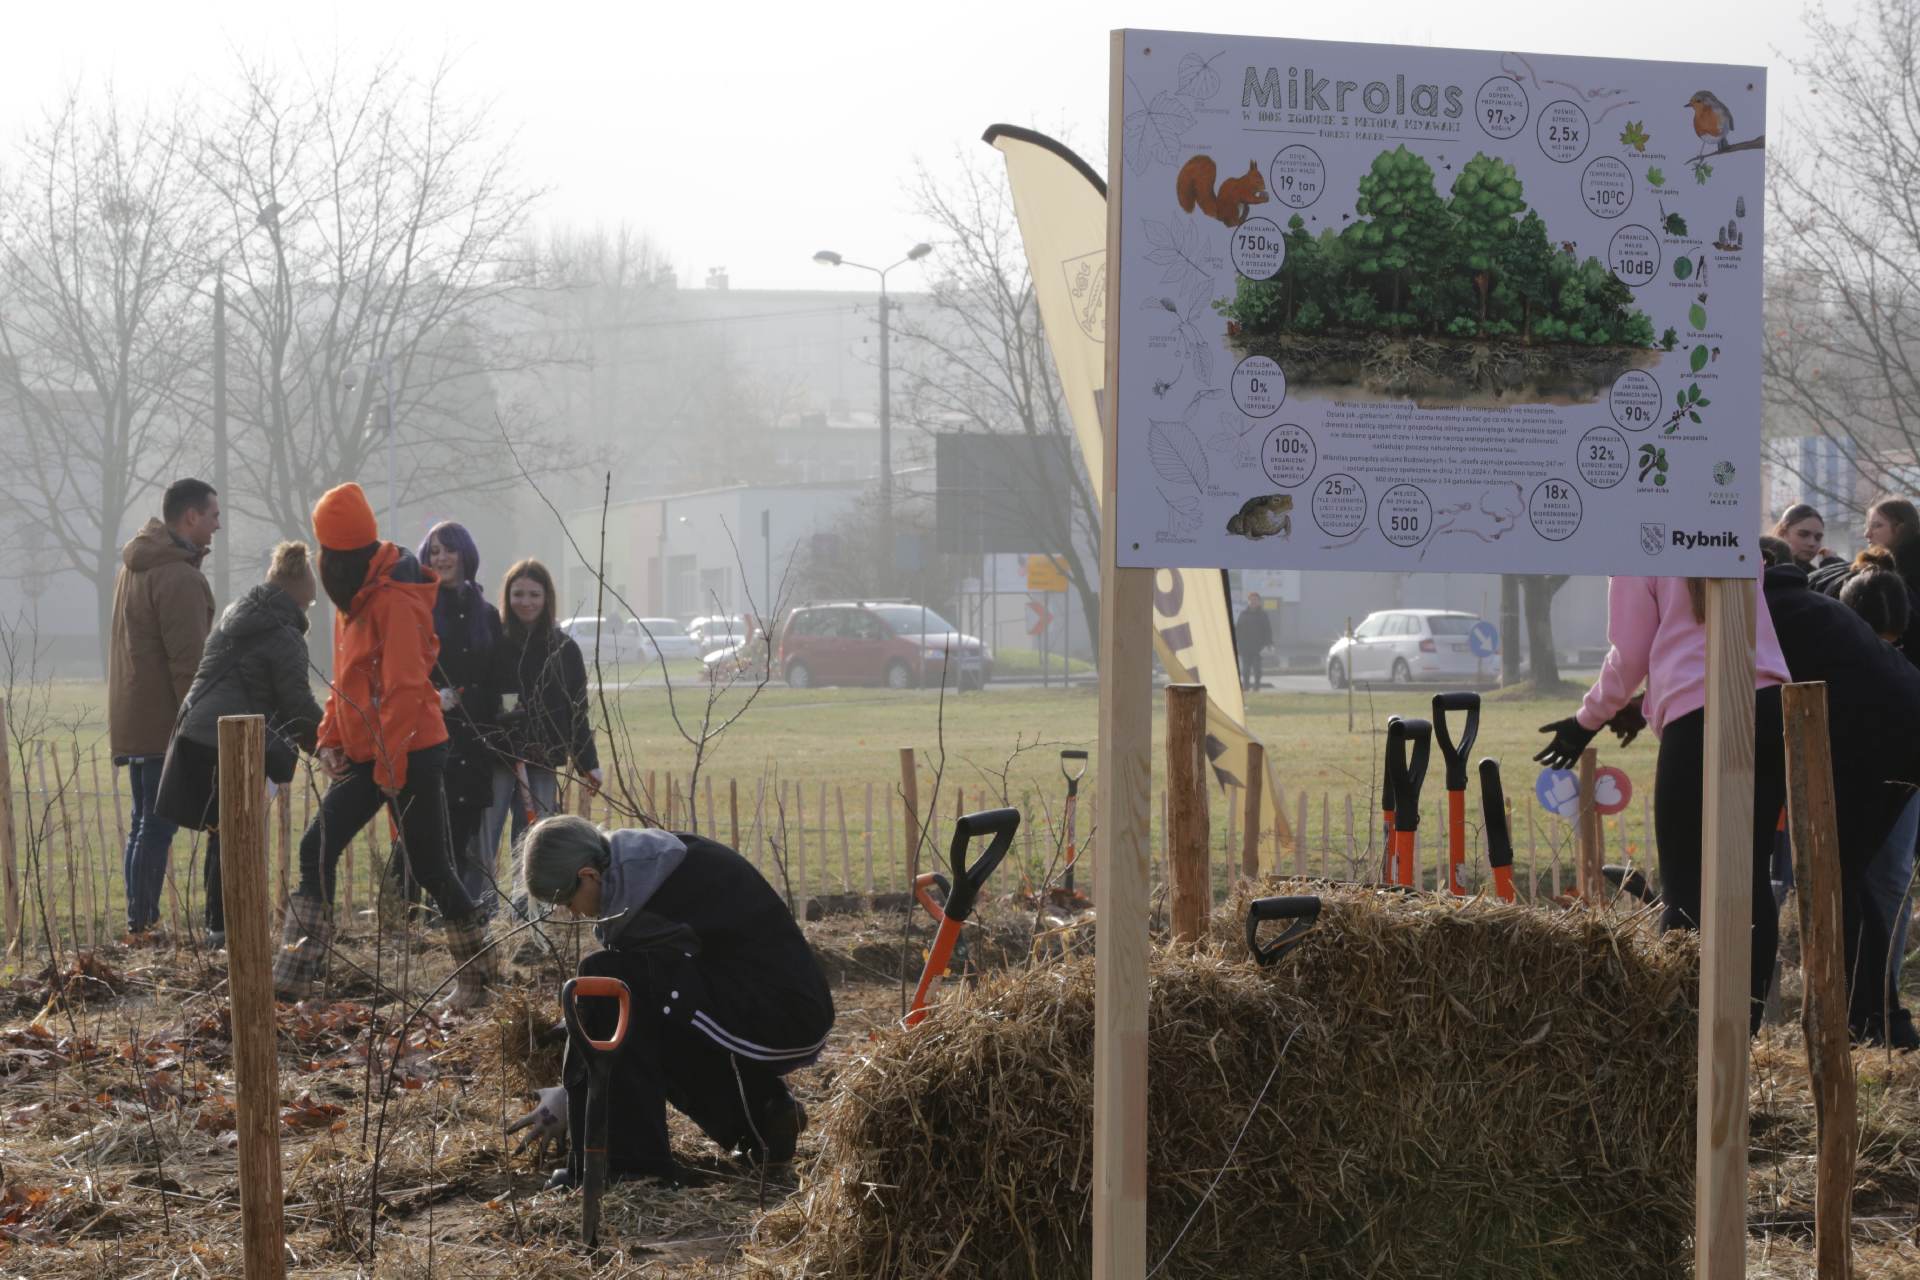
(850, 738)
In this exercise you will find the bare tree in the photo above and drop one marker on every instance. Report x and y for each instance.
(1842, 360)
(370, 218)
(979, 360)
(101, 330)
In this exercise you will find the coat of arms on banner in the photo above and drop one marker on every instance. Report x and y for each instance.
(1653, 538)
(1087, 285)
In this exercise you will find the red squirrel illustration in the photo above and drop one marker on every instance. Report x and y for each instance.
(1231, 203)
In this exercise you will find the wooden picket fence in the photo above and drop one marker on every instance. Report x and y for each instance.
(63, 825)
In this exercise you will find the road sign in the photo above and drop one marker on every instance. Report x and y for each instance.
(1483, 640)
(1042, 617)
(1046, 573)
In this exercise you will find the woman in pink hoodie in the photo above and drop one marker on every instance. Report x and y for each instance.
(1657, 630)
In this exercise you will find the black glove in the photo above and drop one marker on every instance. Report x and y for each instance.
(1628, 721)
(1570, 738)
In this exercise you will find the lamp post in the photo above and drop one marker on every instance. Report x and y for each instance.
(832, 259)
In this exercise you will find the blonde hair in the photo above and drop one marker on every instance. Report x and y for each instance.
(290, 563)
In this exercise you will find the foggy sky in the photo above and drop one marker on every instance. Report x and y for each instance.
(748, 135)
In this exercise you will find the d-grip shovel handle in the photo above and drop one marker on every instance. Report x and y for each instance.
(1406, 777)
(967, 880)
(1493, 816)
(611, 989)
(926, 880)
(1073, 779)
(1302, 909)
(1456, 756)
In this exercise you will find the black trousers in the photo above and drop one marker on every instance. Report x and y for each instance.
(712, 1041)
(1679, 788)
(355, 799)
(1250, 672)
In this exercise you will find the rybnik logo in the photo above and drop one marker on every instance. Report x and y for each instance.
(1688, 541)
(1653, 538)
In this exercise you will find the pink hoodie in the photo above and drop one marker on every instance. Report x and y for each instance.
(1654, 637)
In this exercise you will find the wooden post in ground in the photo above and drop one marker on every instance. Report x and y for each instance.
(867, 837)
(1300, 833)
(1233, 826)
(1588, 882)
(910, 799)
(9, 854)
(846, 849)
(1256, 780)
(800, 834)
(86, 859)
(733, 814)
(244, 895)
(1823, 1011)
(1187, 826)
(713, 821)
(283, 861)
(1726, 934)
(100, 834)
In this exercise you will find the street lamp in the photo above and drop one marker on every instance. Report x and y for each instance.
(380, 367)
(832, 259)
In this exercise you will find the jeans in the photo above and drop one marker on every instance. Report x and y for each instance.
(1888, 877)
(1251, 675)
(143, 863)
(355, 799)
(508, 813)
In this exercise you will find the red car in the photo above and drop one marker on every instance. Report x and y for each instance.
(900, 646)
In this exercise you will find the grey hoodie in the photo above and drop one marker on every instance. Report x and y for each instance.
(641, 862)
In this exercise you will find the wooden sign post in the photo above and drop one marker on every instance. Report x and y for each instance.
(243, 891)
(1188, 838)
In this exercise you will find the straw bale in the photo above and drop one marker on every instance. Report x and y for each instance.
(1451, 1089)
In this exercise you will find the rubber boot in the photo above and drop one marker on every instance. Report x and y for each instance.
(467, 945)
(304, 940)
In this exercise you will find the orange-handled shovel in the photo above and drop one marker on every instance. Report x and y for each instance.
(599, 1056)
(1000, 824)
(1407, 774)
(1493, 816)
(1455, 759)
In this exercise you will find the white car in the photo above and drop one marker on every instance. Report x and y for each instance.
(1404, 645)
(612, 646)
(668, 638)
(717, 631)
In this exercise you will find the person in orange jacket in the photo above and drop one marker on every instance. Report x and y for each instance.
(383, 742)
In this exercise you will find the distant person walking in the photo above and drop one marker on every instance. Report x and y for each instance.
(162, 611)
(548, 729)
(1252, 634)
(255, 664)
(383, 741)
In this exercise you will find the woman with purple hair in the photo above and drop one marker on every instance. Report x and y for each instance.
(473, 682)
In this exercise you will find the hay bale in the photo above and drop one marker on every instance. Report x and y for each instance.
(1457, 1089)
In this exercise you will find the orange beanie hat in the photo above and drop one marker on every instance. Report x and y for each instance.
(343, 519)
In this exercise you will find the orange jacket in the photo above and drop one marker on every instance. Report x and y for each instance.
(382, 703)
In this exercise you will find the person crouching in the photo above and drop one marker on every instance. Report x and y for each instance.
(727, 996)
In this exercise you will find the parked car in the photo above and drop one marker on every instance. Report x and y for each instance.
(668, 638)
(900, 646)
(717, 631)
(611, 645)
(1404, 645)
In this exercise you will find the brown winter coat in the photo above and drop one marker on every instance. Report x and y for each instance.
(162, 612)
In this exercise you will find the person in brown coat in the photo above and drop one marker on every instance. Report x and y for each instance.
(162, 612)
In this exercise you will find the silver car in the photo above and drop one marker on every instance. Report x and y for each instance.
(1404, 645)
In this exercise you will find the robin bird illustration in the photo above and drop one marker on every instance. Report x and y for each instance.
(1711, 120)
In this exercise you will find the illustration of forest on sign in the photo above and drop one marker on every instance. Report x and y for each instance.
(1431, 295)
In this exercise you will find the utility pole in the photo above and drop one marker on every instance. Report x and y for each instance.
(886, 439)
(223, 566)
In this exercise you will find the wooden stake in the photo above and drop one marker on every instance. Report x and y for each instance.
(1326, 828)
(100, 834)
(910, 802)
(867, 836)
(1329, 866)
(759, 811)
(713, 821)
(733, 814)
(1187, 836)
(9, 853)
(1300, 834)
(85, 856)
(1256, 780)
(826, 855)
(1233, 825)
(846, 849)
(1726, 935)
(283, 820)
(800, 834)
(1587, 880)
(243, 884)
(1823, 1011)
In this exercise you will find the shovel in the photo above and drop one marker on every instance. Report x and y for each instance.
(1302, 910)
(1493, 816)
(1455, 759)
(1406, 777)
(1386, 811)
(967, 883)
(1073, 803)
(599, 1056)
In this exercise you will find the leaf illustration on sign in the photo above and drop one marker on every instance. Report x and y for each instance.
(1176, 454)
(1698, 358)
(1153, 132)
(1697, 316)
(1198, 79)
(1173, 248)
(1183, 513)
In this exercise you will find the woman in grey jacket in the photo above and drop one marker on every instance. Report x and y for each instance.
(255, 663)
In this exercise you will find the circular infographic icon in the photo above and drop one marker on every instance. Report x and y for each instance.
(1607, 187)
(1603, 457)
(1258, 248)
(1555, 509)
(1501, 107)
(1562, 131)
(1287, 455)
(1339, 505)
(1634, 400)
(1612, 790)
(1633, 255)
(1297, 176)
(1259, 387)
(1405, 515)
